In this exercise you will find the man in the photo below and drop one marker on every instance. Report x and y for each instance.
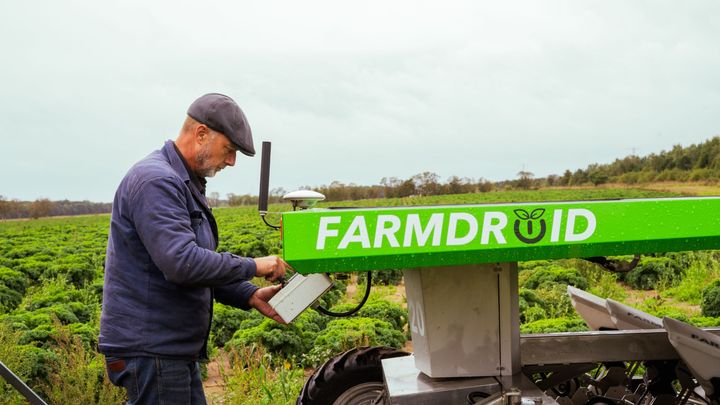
(161, 269)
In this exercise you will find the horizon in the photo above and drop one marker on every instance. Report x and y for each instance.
(225, 197)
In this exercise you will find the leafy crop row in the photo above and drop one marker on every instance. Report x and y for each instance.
(51, 273)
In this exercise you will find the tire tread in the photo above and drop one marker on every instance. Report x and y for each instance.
(344, 371)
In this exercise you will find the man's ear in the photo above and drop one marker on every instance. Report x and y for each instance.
(202, 132)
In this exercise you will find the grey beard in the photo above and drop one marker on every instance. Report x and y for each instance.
(208, 172)
(201, 159)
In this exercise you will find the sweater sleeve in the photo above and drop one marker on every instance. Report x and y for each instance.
(162, 220)
(236, 294)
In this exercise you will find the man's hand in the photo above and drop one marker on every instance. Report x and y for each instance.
(271, 267)
(259, 300)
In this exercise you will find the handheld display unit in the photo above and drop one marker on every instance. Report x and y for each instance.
(298, 294)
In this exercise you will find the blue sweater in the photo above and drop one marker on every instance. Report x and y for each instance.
(161, 268)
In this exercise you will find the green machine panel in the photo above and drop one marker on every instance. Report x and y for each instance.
(342, 240)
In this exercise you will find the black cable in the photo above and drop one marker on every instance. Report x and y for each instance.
(319, 308)
(354, 310)
(267, 223)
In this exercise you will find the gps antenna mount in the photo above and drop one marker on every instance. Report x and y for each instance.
(265, 183)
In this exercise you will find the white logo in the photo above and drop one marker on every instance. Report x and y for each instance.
(443, 229)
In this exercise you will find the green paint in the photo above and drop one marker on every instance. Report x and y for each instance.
(383, 238)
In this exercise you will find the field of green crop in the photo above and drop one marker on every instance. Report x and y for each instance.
(51, 273)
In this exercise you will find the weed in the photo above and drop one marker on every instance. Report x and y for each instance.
(78, 373)
(606, 286)
(699, 274)
(253, 379)
(711, 299)
(15, 361)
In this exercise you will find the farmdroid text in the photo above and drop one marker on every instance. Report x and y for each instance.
(454, 229)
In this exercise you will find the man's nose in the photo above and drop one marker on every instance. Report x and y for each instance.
(230, 160)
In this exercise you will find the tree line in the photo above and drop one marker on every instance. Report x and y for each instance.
(43, 207)
(421, 184)
(699, 162)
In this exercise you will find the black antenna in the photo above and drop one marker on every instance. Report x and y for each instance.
(264, 178)
(265, 183)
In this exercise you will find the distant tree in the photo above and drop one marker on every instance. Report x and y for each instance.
(678, 164)
(579, 177)
(42, 207)
(552, 180)
(406, 188)
(426, 183)
(597, 174)
(390, 186)
(598, 177)
(19, 209)
(565, 179)
(455, 185)
(524, 179)
(214, 199)
(4, 207)
(336, 191)
(234, 200)
(484, 186)
(278, 192)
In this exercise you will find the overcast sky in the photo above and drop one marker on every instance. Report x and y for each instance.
(352, 91)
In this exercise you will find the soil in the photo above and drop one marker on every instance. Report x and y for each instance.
(636, 298)
(214, 385)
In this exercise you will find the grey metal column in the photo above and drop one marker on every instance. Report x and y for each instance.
(464, 320)
(509, 301)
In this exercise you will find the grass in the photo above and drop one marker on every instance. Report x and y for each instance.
(249, 377)
(698, 276)
(602, 282)
(690, 189)
(14, 360)
(554, 194)
(77, 373)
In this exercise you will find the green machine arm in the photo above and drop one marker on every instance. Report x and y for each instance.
(345, 240)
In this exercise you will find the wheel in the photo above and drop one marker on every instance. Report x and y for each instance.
(352, 378)
(600, 400)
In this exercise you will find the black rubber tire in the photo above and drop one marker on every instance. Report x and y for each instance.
(342, 372)
(600, 400)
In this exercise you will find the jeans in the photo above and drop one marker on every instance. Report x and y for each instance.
(157, 381)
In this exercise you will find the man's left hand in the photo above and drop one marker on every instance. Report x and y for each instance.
(259, 300)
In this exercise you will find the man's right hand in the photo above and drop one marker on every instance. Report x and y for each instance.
(271, 267)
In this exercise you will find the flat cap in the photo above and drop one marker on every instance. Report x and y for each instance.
(220, 113)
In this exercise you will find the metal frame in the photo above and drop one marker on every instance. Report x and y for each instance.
(20, 386)
(598, 346)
